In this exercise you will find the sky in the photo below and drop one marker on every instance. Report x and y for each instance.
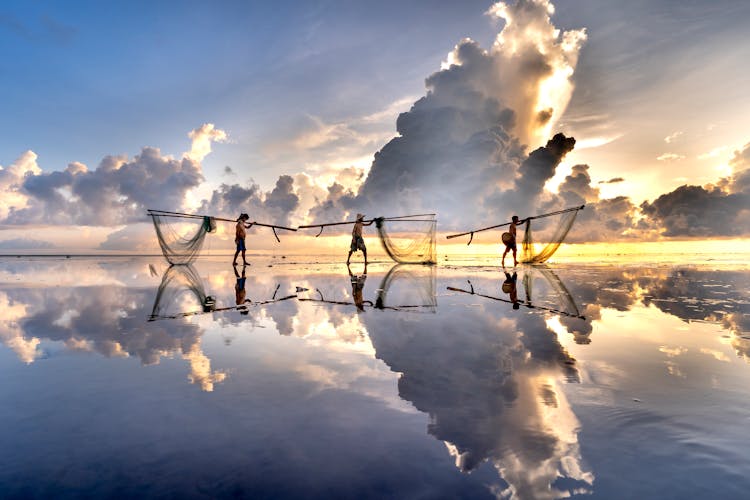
(310, 112)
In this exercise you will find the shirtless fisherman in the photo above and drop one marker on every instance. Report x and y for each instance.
(358, 243)
(511, 245)
(239, 237)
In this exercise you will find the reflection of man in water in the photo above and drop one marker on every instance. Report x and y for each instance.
(358, 285)
(239, 290)
(509, 287)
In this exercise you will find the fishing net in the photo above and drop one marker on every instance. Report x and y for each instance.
(181, 293)
(410, 239)
(568, 305)
(181, 238)
(408, 287)
(552, 234)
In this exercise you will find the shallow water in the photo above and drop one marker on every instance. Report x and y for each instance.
(120, 377)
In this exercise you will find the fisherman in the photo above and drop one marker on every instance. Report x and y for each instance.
(239, 237)
(358, 243)
(358, 285)
(511, 243)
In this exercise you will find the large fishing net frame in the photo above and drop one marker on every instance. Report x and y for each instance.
(529, 255)
(181, 238)
(553, 237)
(181, 235)
(409, 239)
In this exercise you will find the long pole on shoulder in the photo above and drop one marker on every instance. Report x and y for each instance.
(509, 223)
(404, 218)
(165, 213)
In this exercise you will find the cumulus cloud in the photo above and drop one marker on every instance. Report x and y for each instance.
(11, 180)
(466, 139)
(201, 138)
(703, 211)
(117, 191)
(276, 205)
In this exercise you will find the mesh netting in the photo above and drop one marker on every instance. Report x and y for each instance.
(181, 293)
(551, 233)
(409, 240)
(567, 303)
(409, 288)
(181, 238)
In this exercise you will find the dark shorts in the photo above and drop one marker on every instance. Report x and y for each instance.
(511, 246)
(240, 245)
(358, 243)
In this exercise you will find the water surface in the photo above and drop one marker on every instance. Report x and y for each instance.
(122, 377)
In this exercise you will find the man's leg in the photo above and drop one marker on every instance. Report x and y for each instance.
(364, 252)
(515, 261)
(244, 260)
(504, 254)
(234, 260)
(348, 257)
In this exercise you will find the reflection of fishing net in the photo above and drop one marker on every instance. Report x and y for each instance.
(408, 287)
(181, 290)
(181, 238)
(567, 304)
(551, 233)
(410, 239)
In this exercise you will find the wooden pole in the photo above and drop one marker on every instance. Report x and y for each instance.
(509, 223)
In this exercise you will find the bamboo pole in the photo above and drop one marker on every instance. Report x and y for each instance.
(403, 218)
(509, 223)
(166, 213)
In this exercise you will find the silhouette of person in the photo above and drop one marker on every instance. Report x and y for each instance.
(509, 287)
(358, 285)
(358, 243)
(239, 237)
(511, 245)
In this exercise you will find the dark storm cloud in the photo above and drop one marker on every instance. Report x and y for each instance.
(703, 211)
(602, 219)
(118, 191)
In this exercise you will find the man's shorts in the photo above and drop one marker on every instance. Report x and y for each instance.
(240, 245)
(512, 246)
(358, 243)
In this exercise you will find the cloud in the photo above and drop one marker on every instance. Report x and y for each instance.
(713, 153)
(670, 157)
(613, 180)
(276, 206)
(201, 138)
(672, 137)
(117, 192)
(704, 211)
(461, 148)
(11, 180)
(25, 244)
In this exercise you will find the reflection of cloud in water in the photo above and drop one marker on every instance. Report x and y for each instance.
(490, 386)
(109, 320)
(11, 332)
